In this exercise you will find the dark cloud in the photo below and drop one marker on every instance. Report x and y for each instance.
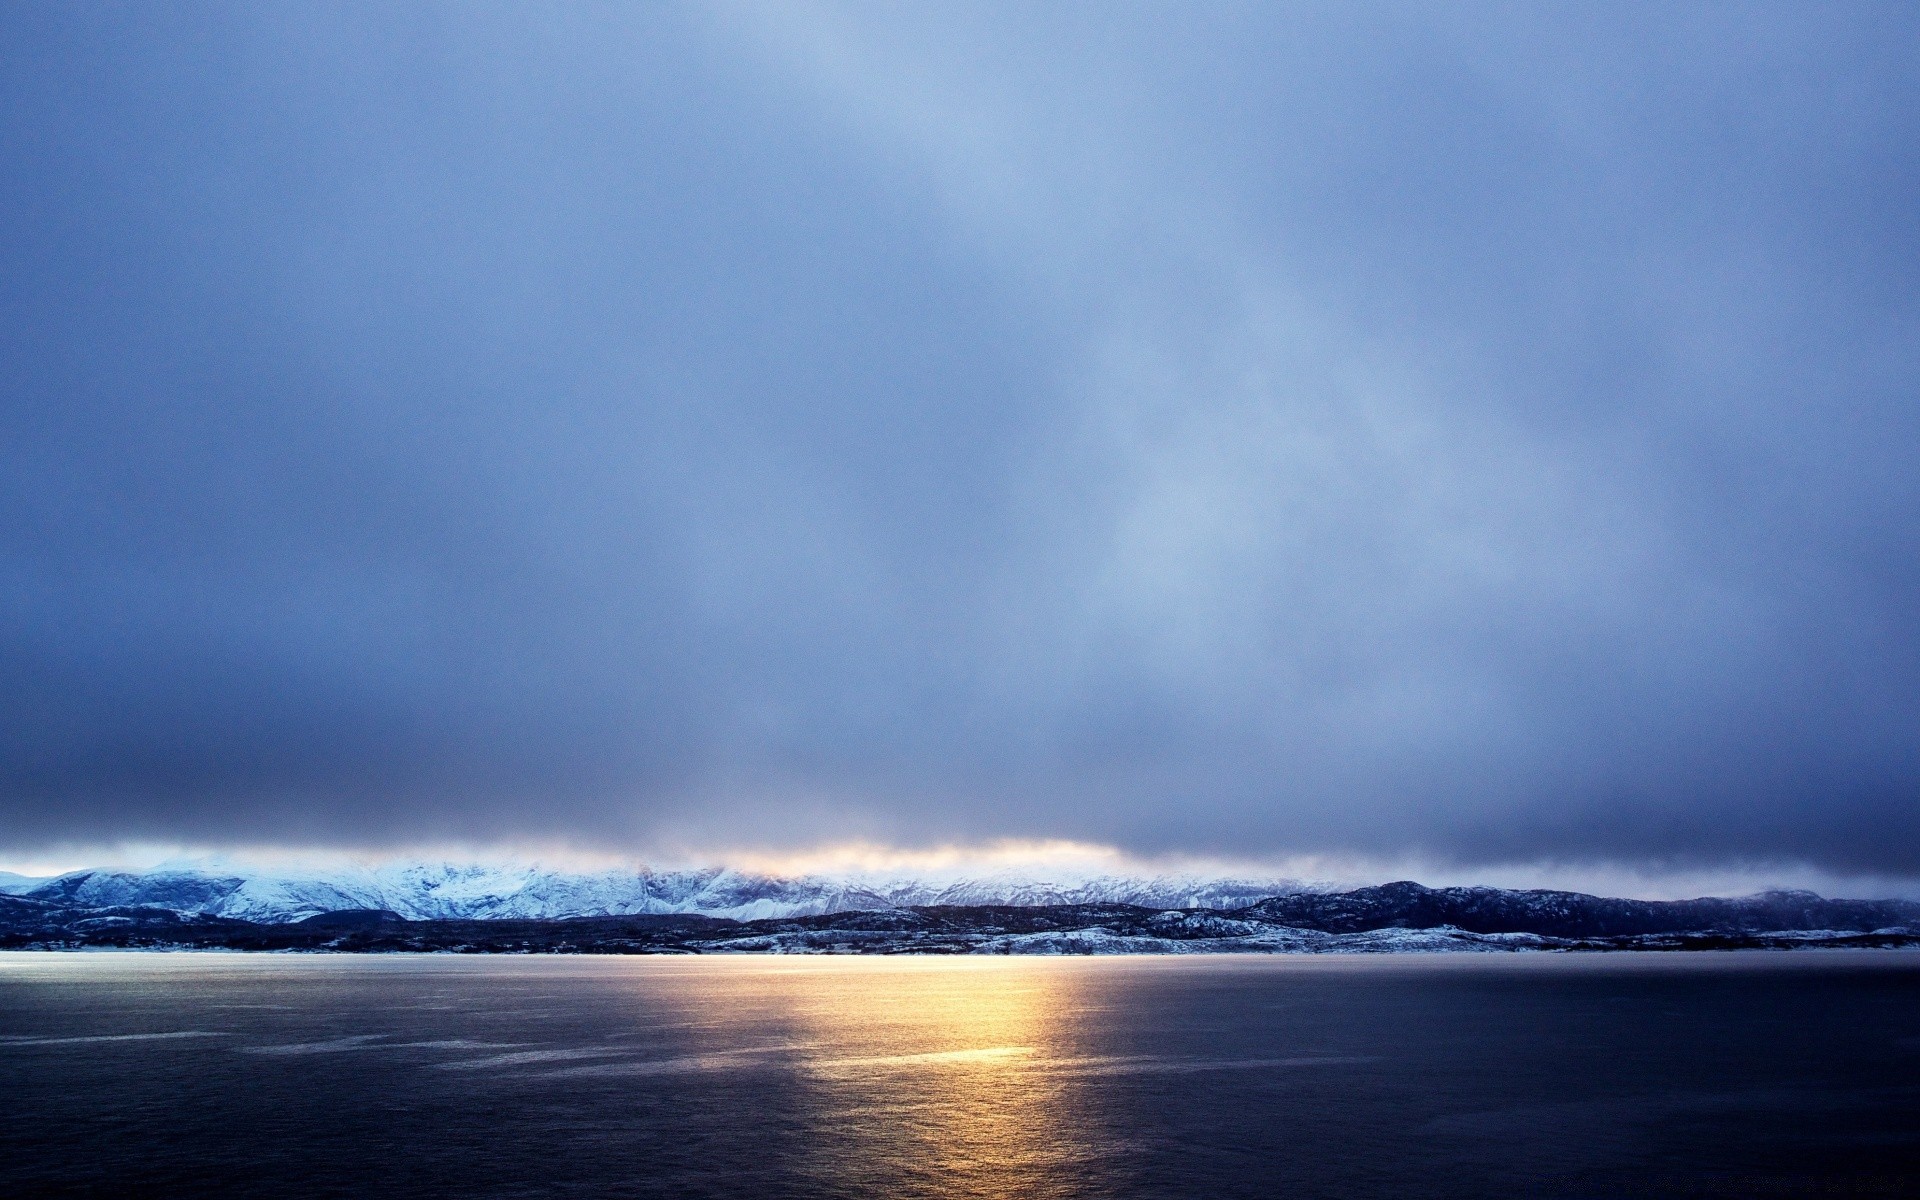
(1485, 434)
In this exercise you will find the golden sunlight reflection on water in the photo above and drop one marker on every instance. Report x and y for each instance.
(935, 1076)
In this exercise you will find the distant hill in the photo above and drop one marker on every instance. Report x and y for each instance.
(1407, 905)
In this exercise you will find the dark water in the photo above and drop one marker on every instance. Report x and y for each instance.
(1725, 1075)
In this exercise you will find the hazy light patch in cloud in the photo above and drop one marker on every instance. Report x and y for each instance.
(1264, 507)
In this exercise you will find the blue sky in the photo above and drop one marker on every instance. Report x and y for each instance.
(1476, 432)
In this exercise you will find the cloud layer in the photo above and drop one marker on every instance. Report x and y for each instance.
(1480, 434)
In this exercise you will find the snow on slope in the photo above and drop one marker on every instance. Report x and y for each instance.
(440, 890)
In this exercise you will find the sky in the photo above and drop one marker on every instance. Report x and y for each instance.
(1480, 435)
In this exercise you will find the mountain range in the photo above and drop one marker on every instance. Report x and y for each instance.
(440, 891)
(471, 908)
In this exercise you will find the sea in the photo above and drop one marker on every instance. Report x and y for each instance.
(1579, 1075)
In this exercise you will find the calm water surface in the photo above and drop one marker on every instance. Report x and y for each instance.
(1762, 1074)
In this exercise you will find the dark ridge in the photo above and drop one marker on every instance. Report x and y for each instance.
(1408, 905)
(354, 918)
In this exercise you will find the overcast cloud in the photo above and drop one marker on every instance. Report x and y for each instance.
(1479, 433)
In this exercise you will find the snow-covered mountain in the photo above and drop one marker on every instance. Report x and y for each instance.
(476, 891)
